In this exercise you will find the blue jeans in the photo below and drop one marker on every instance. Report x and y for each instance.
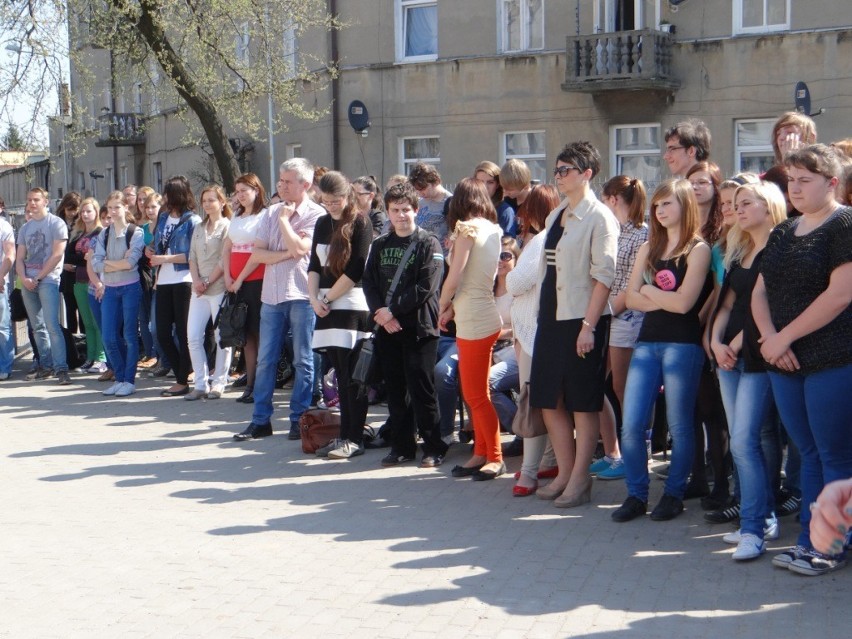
(7, 341)
(815, 409)
(275, 320)
(678, 368)
(748, 401)
(447, 383)
(145, 323)
(502, 378)
(43, 311)
(119, 313)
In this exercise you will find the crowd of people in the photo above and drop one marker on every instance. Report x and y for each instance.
(722, 305)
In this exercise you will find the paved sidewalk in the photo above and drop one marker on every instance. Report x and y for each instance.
(140, 517)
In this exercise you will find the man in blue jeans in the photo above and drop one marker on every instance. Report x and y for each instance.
(41, 249)
(284, 244)
(7, 260)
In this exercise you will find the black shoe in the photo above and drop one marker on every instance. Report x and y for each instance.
(463, 471)
(247, 397)
(465, 436)
(240, 382)
(695, 489)
(295, 432)
(632, 508)
(254, 431)
(514, 448)
(668, 507)
(395, 459)
(485, 475)
(788, 504)
(431, 461)
(715, 501)
(160, 371)
(726, 515)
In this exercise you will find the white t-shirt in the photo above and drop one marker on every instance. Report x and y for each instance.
(167, 273)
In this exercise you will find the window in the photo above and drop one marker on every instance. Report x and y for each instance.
(753, 145)
(414, 150)
(294, 151)
(158, 177)
(137, 97)
(635, 151)
(522, 24)
(289, 54)
(529, 147)
(242, 41)
(760, 16)
(416, 30)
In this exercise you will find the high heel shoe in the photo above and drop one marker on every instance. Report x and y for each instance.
(550, 492)
(524, 491)
(547, 473)
(584, 496)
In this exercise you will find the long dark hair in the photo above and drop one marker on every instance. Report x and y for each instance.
(690, 218)
(632, 191)
(335, 184)
(178, 195)
(369, 183)
(253, 182)
(470, 199)
(712, 227)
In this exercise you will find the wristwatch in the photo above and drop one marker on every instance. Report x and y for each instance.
(325, 300)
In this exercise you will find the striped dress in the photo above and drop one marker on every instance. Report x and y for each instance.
(349, 319)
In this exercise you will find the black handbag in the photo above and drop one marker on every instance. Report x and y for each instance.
(16, 305)
(231, 322)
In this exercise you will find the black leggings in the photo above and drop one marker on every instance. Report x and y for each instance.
(353, 404)
(710, 412)
(172, 310)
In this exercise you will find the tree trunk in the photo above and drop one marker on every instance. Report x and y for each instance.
(186, 86)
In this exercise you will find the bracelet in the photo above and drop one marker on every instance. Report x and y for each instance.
(587, 325)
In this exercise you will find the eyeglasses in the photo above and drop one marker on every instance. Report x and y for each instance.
(505, 256)
(696, 183)
(563, 171)
(362, 194)
(671, 149)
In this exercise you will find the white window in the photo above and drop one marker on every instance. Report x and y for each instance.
(289, 54)
(753, 145)
(761, 16)
(241, 44)
(294, 151)
(529, 147)
(522, 24)
(635, 151)
(416, 30)
(413, 150)
(154, 76)
(137, 97)
(158, 176)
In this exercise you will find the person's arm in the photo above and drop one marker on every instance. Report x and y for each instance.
(370, 280)
(683, 299)
(353, 272)
(55, 258)
(524, 277)
(298, 244)
(831, 517)
(7, 263)
(724, 354)
(132, 255)
(635, 299)
(198, 286)
(462, 246)
(763, 320)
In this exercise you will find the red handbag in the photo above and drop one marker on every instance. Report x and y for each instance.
(318, 427)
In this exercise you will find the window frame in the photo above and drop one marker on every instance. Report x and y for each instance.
(525, 157)
(739, 29)
(615, 153)
(761, 149)
(525, 27)
(400, 19)
(435, 161)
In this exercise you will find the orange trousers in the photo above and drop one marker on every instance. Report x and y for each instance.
(474, 367)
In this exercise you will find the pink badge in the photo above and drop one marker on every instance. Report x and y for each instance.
(665, 280)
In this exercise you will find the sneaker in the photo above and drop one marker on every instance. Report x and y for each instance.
(395, 459)
(771, 532)
(789, 506)
(452, 438)
(431, 461)
(614, 471)
(41, 373)
(724, 515)
(84, 367)
(784, 559)
(160, 371)
(112, 390)
(750, 547)
(295, 432)
(814, 564)
(125, 389)
(195, 395)
(330, 446)
(632, 508)
(33, 368)
(97, 367)
(4, 376)
(667, 508)
(600, 465)
(346, 450)
(63, 378)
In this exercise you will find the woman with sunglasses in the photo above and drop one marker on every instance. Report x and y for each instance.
(368, 202)
(569, 357)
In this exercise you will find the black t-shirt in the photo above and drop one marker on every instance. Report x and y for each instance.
(547, 297)
(741, 280)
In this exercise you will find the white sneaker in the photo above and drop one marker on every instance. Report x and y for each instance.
(452, 438)
(125, 389)
(112, 390)
(750, 547)
(97, 367)
(771, 532)
(330, 446)
(346, 450)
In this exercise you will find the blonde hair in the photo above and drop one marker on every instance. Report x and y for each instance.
(805, 125)
(740, 243)
(79, 225)
(515, 175)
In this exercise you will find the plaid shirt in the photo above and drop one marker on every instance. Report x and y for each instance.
(629, 240)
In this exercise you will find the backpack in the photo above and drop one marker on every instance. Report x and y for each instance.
(146, 271)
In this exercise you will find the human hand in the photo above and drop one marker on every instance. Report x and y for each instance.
(393, 326)
(157, 260)
(320, 309)
(585, 341)
(383, 316)
(286, 211)
(775, 349)
(446, 317)
(30, 284)
(199, 287)
(724, 355)
(99, 291)
(831, 517)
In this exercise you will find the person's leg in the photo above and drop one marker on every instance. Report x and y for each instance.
(7, 344)
(66, 288)
(165, 318)
(770, 446)
(162, 358)
(390, 350)
(223, 355)
(353, 410)
(97, 312)
(111, 323)
(94, 348)
(502, 379)
(474, 363)
(273, 324)
(446, 383)
(419, 362)
(619, 361)
(196, 322)
(50, 299)
(131, 296)
(301, 322)
(180, 299)
(145, 323)
(35, 314)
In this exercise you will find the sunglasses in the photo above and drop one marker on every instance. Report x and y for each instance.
(505, 256)
(562, 171)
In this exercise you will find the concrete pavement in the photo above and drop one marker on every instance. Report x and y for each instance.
(140, 517)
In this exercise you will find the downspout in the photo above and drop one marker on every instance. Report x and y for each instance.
(335, 92)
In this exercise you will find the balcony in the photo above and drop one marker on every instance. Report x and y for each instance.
(621, 61)
(121, 129)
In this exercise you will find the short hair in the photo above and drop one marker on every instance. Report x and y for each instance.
(40, 191)
(302, 167)
(396, 178)
(842, 146)
(423, 174)
(178, 194)
(253, 182)
(692, 133)
(470, 199)
(816, 158)
(403, 192)
(542, 199)
(806, 126)
(515, 175)
(130, 186)
(583, 155)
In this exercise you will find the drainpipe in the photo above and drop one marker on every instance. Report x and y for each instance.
(335, 93)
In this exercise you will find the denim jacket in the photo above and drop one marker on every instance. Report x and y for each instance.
(181, 237)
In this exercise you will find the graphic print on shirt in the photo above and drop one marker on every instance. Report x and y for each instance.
(38, 251)
(171, 225)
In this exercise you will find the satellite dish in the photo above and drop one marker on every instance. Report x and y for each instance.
(359, 119)
(802, 98)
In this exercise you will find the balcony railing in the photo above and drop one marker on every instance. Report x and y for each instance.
(121, 129)
(624, 60)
